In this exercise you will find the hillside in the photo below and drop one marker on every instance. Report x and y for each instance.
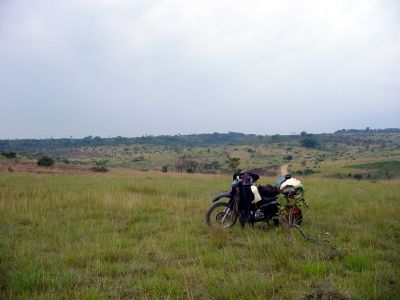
(335, 155)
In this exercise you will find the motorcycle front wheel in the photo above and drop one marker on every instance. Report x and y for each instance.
(221, 215)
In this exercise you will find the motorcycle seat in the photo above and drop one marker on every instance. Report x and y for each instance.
(265, 201)
(268, 199)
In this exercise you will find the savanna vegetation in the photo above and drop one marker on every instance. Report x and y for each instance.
(92, 226)
(143, 235)
(222, 153)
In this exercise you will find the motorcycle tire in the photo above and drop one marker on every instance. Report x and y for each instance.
(220, 215)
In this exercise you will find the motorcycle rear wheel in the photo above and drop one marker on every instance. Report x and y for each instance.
(220, 215)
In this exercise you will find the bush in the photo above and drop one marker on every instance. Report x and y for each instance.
(45, 161)
(309, 171)
(9, 155)
(214, 165)
(99, 169)
(358, 176)
(139, 158)
(100, 166)
(164, 168)
(288, 157)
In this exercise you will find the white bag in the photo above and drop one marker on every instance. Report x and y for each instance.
(291, 181)
(256, 194)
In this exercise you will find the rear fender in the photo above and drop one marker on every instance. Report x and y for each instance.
(220, 196)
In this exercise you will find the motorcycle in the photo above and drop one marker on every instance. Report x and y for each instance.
(241, 203)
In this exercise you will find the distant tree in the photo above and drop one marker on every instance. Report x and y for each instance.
(179, 166)
(45, 161)
(234, 163)
(276, 138)
(187, 164)
(210, 166)
(308, 140)
(164, 168)
(215, 164)
(192, 166)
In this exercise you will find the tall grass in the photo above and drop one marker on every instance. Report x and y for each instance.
(144, 236)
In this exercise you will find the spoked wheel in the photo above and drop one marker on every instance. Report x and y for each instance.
(220, 215)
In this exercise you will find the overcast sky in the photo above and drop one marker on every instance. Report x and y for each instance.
(136, 67)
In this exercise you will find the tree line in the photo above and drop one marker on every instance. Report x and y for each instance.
(194, 140)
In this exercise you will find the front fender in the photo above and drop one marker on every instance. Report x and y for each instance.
(222, 195)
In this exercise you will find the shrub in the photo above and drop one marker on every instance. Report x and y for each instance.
(164, 168)
(309, 171)
(139, 158)
(99, 169)
(45, 161)
(358, 176)
(215, 164)
(100, 166)
(9, 155)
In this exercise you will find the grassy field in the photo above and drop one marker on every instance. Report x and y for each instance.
(143, 235)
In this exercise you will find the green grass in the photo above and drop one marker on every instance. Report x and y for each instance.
(380, 165)
(383, 169)
(143, 236)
